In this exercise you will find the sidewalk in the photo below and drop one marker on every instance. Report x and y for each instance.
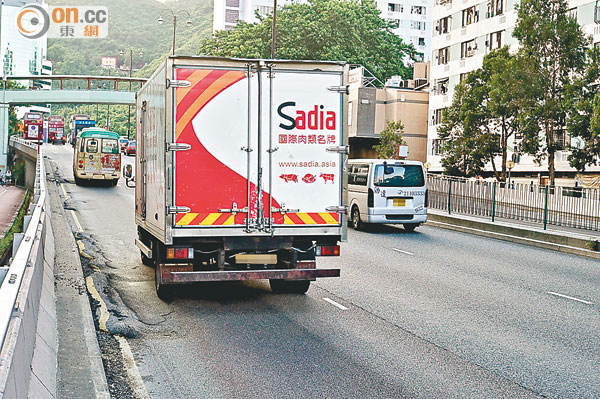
(11, 198)
(558, 238)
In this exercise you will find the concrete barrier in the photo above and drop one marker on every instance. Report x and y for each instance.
(28, 357)
(563, 241)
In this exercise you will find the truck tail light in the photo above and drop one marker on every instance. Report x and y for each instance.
(371, 198)
(328, 250)
(80, 164)
(180, 253)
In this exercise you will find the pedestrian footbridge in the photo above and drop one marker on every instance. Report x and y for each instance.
(61, 89)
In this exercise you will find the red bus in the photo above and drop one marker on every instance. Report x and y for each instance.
(34, 126)
(56, 129)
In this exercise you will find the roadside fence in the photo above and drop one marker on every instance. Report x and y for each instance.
(575, 207)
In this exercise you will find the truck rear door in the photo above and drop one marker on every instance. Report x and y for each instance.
(253, 147)
(305, 176)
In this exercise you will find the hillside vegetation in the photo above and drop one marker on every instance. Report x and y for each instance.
(132, 25)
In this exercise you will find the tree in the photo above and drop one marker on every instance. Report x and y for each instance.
(583, 120)
(467, 145)
(389, 140)
(553, 46)
(350, 30)
(483, 117)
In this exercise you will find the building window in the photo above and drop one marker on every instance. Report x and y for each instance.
(393, 7)
(420, 10)
(494, 40)
(437, 116)
(420, 25)
(462, 77)
(421, 41)
(562, 139)
(440, 86)
(443, 25)
(468, 49)
(470, 16)
(442, 55)
(232, 3)
(264, 10)
(419, 57)
(495, 7)
(232, 16)
(572, 13)
(396, 23)
(437, 147)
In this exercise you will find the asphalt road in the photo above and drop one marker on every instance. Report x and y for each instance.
(433, 314)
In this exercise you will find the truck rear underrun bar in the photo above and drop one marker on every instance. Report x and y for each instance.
(169, 277)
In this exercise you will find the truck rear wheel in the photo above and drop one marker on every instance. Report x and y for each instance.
(146, 261)
(163, 291)
(289, 286)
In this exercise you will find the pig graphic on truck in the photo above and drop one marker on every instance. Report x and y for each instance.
(219, 196)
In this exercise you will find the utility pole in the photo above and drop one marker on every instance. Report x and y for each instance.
(273, 29)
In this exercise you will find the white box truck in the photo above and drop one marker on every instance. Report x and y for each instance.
(240, 170)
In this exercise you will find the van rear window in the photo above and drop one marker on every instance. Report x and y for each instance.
(110, 146)
(399, 176)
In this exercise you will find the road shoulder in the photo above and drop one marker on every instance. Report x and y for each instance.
(80, 370)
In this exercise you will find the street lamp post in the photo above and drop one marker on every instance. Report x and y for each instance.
(510, 165)
(174, 15)
(141, 53)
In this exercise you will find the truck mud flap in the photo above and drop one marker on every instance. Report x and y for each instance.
(181, 277)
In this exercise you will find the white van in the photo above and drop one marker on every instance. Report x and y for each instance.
(387, 191)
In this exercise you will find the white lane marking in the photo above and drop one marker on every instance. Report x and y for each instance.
(3, 192)
(334, 303)
(132, 369)
(402, 252)
(62, 187)
(570, 297)
(79, 228)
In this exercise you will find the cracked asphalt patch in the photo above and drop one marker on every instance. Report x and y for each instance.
(114, 367)
(121, 320)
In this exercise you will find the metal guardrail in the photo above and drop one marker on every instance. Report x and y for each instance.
(575, 207)
(9, 289)
(29, 143)
(74, 81)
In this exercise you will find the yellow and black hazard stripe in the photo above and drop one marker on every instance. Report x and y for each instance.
(311, 218)
(205, 219)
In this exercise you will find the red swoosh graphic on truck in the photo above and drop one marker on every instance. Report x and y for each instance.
(207, 85)
(204, 183)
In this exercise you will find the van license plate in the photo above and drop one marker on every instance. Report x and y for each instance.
(399, 202)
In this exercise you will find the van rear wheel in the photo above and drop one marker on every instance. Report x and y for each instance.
(410, 227)
(289, 286)
(357, 224)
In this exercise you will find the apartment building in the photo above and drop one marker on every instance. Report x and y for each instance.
(412, 22)
(228, 12)
(464, 31)
(411, 19)
(370, 108)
